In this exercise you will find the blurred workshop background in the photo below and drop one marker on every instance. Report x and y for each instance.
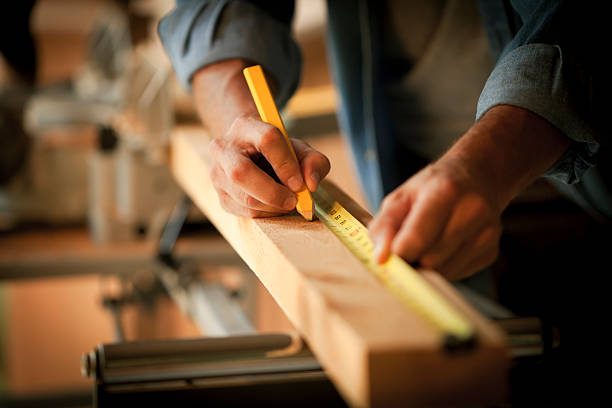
(86, 194)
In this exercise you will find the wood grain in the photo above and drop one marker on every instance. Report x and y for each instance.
(376, 351)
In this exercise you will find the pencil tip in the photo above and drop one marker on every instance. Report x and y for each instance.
(305, 205)
(308, 215)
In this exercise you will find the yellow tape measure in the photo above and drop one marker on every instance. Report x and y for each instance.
(403, 281)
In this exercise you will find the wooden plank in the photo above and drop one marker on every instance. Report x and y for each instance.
(377, 352)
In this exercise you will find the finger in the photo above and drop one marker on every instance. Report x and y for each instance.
(243, 199)
(469, 216)
(475, 254)
(388, 221)
(271, 143)
(230, 205)
(242, 172)
(426, 221)
(222, 184)
(315, 166)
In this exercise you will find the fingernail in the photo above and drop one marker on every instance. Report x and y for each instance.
(377, 248)
(315, 179)
(379, 251)
(290, 203)
(295, 183)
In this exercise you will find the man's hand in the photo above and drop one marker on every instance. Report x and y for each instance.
(243, 187)
(447, 216)
(228, 112)
(441, 220)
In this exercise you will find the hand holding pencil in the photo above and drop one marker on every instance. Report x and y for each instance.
(243, 146)
(269, 113)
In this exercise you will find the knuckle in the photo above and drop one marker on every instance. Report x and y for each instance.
(240, 125)
(270, 137)
(392, 198)
(240, 121)
(286, 168)
(387, 200)
(238, 173)
(489, 237)
(475, 206)
(243, 118)
(478, 204)
(447, 186)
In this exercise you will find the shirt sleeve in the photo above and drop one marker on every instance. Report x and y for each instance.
(199, 33)
(544, 70)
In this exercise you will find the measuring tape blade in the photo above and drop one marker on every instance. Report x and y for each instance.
(398, 276)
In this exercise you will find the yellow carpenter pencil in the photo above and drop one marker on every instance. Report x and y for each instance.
(267, 111)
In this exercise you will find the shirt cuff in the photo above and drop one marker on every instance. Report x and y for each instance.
(214, 31)
(536, 77)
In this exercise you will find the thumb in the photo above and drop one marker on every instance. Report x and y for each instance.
(314, 164)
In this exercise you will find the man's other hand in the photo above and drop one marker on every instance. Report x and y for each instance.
(447, 216)
(439, 220)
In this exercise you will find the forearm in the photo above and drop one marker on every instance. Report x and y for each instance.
(506, 150)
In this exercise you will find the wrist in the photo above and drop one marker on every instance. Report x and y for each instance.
(506, 150)
(221, 95)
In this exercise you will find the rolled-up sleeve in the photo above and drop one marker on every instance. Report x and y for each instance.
(199, 33)
(541, 72)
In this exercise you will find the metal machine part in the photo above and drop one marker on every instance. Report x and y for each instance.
(215, 309)
(121, 191)
(209, 305)
(269, 369)
(529, 336)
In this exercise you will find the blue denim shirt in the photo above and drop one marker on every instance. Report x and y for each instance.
(542, 66)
